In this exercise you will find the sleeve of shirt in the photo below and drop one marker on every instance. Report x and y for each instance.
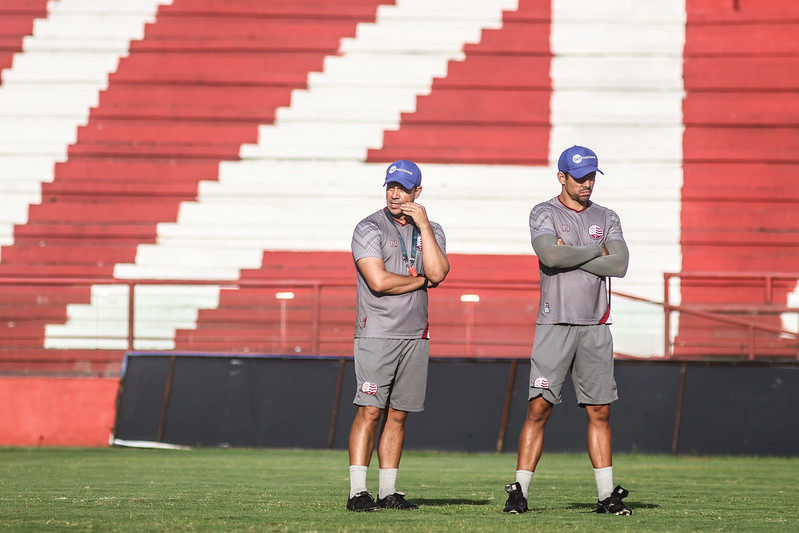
(614, 231)
(366, 241)
(551, 254)
(541, 222)
(438, 231)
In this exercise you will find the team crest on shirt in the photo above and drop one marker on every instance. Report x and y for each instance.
(393, 243)
(369, 388)
(595, 232)
(541, 383)
(566, 228)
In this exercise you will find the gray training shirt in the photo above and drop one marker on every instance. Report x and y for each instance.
(401, 316)
(572, 295)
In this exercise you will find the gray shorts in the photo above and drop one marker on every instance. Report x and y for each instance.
(586, 351)
(391, 373)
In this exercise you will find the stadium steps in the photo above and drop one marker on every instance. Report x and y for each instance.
(183, 249)
(186, 97)
(505, 75)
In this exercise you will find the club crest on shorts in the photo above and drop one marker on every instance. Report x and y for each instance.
(595, 231)
(541, 383)
(369, 388)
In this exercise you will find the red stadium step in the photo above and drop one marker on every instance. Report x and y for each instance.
(347, 9)
(119, 211)
(105, 253)
(247, 104)
(741, 144)
(723, 11)
(472, 144)
(156, 132)
(716, 109)
(213, 152)
(56, 271)
(89, 191)
(715, 215)
(289, 70)
(143, 169)
(746, 38)
(15, 292)
(58, 234)
(11, 315)
(241, 34)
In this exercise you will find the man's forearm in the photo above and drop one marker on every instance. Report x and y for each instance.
(436, 264)
(613, 264)
(555, 255)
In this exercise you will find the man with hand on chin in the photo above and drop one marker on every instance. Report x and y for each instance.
(399, 254)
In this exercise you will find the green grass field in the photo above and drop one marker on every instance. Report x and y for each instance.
(119, 489)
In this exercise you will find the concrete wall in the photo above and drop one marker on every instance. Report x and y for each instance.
(472, 406)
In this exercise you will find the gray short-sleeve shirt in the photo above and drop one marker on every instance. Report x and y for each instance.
(401, 316)
(574, 296)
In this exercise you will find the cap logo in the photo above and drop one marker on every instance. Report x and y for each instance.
(577, 158)
(394, 169)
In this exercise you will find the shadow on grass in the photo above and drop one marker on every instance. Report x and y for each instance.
(439, 502)
(591, 507)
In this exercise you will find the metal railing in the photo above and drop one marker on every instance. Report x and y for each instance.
(718, 312)
(460, 317)
(469, 330)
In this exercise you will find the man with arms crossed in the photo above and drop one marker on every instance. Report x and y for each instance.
(398, 255)
(579, 244)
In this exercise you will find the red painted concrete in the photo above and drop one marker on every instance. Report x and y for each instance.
(56, 411)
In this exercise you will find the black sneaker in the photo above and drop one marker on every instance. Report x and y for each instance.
(517, 503)
(613, 504)
(362, 502)
(396, 501)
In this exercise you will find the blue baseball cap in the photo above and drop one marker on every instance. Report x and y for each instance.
(404, 172)
(578, 161)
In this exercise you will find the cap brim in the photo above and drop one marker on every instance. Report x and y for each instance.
(399, 179)
(583, 171)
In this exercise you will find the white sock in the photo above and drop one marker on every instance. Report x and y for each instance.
(387, 482)
(604, 482)
(524, 478)
(357, 479)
